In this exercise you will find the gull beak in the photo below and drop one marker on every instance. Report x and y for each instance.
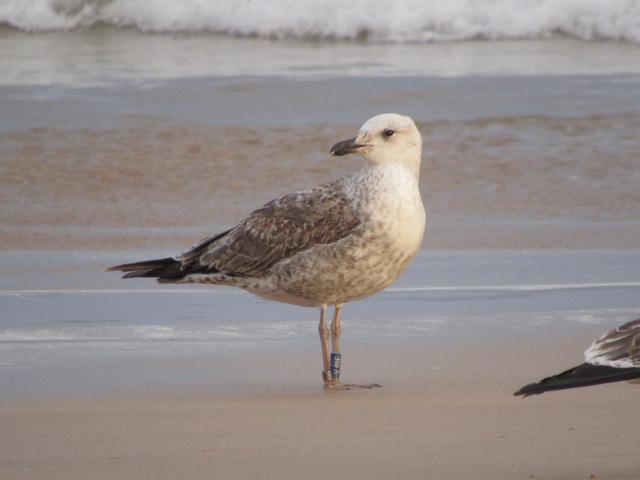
(345, 147)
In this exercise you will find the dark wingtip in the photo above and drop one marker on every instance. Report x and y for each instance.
(128, 267)
(149, 268)
(584, 375)
(138, 273)
(528, 390)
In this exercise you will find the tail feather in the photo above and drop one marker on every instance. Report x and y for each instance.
(581, 376)
(168, 270)
(162, 268)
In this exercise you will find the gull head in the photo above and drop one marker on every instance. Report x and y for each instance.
(385, 138)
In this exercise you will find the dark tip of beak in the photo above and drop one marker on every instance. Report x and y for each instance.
(345, 147)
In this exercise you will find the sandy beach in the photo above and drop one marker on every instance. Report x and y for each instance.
(458, 421)
(131, 132)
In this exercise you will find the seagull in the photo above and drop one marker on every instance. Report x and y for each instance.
(323, 246)
(614, 357)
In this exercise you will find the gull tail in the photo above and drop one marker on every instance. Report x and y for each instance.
(164, 269)
(170, 270)
(581, 376)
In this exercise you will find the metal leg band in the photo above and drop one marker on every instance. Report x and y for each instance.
(336, 360)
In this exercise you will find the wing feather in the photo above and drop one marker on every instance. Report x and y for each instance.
(278, 230)
(614, 357)
(619, 347)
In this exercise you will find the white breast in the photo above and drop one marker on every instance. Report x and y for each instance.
(394, 204)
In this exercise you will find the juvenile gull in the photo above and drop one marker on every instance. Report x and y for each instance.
(614, 357)
(327, 245)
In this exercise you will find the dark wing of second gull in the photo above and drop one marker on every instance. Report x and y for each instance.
(614, 357)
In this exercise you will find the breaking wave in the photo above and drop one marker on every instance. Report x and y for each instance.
(373, 20)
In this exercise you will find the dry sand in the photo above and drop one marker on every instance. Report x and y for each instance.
(453, 419)
(525, 182)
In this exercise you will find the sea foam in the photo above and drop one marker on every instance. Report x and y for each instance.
(373, 20)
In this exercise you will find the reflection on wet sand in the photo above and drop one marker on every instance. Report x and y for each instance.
(522, 182)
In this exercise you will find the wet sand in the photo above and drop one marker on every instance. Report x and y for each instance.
(523, 182)
(103, 378)
(458, 421)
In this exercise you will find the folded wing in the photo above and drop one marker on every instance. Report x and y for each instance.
(277, 231)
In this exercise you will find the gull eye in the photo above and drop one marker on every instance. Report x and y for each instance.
(387, 133)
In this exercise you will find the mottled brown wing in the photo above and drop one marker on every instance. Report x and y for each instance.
(280, 229)
(619, 347)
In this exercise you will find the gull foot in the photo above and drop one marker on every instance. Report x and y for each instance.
(338, 385)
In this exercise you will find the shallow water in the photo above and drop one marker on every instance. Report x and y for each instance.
(269, 101)
(64, 319)
(101, 57)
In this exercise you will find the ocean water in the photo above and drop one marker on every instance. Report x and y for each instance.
(99, 42)
(97, 63)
